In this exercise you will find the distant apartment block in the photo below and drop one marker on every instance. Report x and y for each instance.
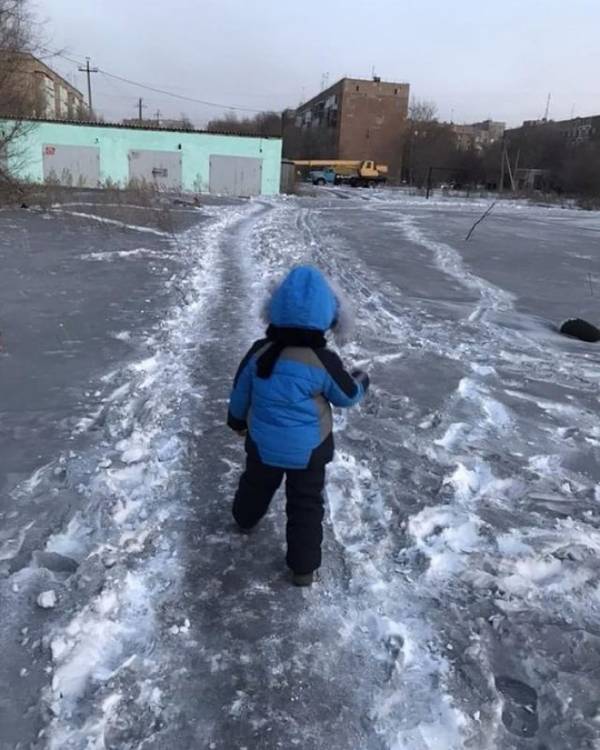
(353, 119)
(46, 95)
(479, 135)
(575, 131)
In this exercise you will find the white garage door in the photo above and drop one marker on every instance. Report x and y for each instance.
(161, 169)
(71, 166)
(235, 175)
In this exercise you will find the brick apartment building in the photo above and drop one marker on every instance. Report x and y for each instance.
(353, 119)
(45, 93)
(478, 135)
(576, 131)
(541, 145)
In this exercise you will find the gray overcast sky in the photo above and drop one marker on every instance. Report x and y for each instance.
(474, 58)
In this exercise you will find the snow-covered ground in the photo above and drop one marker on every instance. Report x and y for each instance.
(459, 600)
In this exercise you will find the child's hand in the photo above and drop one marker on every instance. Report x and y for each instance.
(362, 378)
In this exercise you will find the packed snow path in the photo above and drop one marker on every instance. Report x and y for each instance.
(458, 606)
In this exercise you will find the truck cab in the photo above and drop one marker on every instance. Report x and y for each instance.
(368, 169)
(325, 176)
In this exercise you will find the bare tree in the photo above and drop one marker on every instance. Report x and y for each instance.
(186, 123)
(422, 110)
(579, 173)
(17, 94)
(267, 124)
(427, 143)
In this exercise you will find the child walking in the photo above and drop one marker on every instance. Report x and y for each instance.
(281, 402)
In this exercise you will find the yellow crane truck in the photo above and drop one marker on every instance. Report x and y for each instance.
(339, 172)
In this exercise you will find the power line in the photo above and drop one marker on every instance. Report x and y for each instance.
(116, 91)
(181, 97)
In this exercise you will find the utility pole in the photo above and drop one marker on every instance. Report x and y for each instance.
(510, 173)
(516, 167)
(502, 162)
(157, 116)
(547, 112)
(429, 176)
(140, 106)
(89, 71)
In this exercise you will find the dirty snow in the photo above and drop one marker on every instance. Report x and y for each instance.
(459, 601)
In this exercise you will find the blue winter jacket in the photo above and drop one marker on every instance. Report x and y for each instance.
(288, 414)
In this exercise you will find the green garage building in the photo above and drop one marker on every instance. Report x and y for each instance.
(80, 154)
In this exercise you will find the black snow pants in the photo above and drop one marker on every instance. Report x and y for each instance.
(304, 508)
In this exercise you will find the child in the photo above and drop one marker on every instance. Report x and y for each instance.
(281, 402)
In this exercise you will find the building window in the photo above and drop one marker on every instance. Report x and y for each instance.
(395, 91)
(358, 88)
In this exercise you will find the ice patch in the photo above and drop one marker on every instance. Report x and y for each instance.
(545, 465)
(71, 542)
(11, 547)
(135, 448)
(148, 365)
(37, 478)
(511, 545)
(91, 645)
(108, 255)
(47, 599)
(446, 538)
(467, 482)
(359, 515)
(453, 436)
(483, 370)
(444, 732)
(119, 393)
(535, 575)
(496, 413)
(122, 335)
(113, 222)
(122, 532)
(449, 260)
(449, 534)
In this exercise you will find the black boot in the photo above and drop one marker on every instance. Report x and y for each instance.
(303, 579)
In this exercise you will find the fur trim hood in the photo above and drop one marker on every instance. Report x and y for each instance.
(305, 298)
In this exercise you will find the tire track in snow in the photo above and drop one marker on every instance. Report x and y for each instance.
(484, 451)
(507, 347)
(452, 553)
(449, 260)
(384, 610)
(262, 665)
(111, 650)
(390, 604)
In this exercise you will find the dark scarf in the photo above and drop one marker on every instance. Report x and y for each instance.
(282, 337)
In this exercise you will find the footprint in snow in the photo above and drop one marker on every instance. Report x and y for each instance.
(519, 714)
